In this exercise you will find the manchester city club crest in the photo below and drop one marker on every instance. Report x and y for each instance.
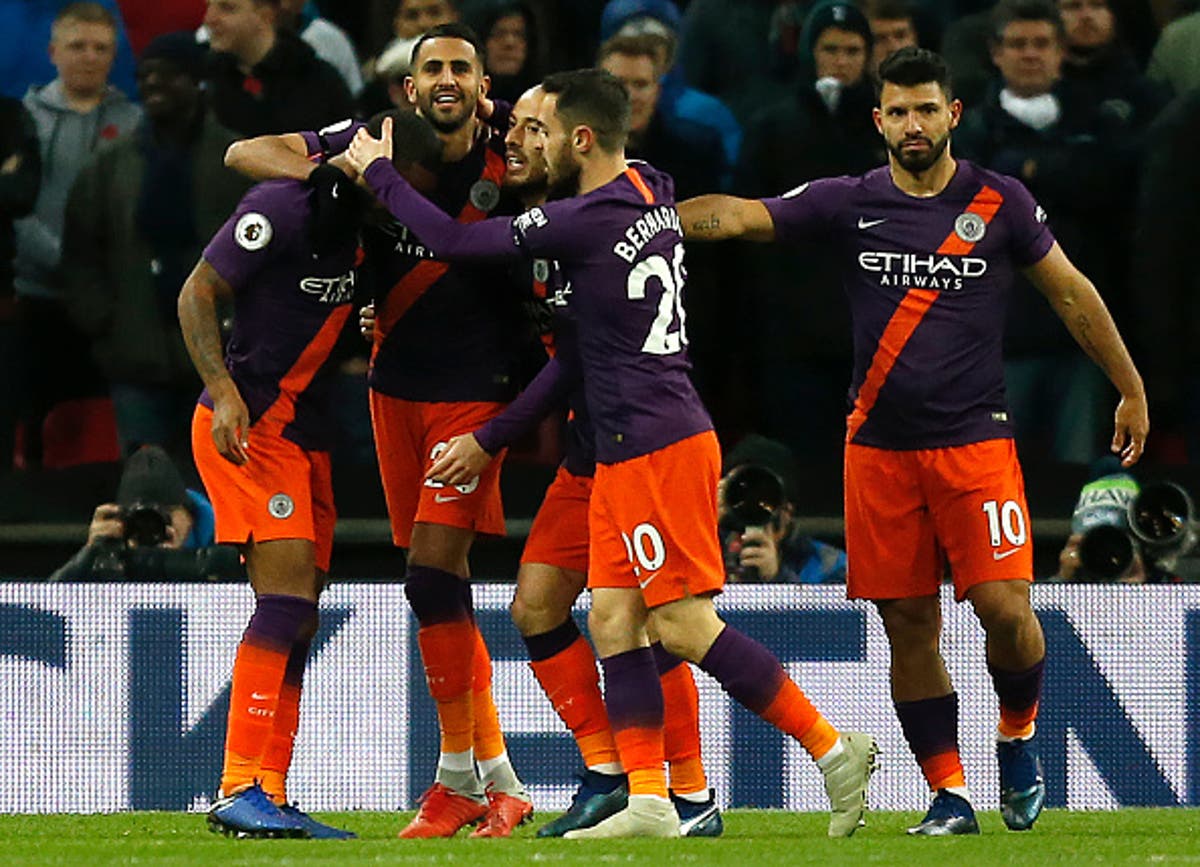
(281, 506)
(970, 227)
(485, 195)
(541, 270)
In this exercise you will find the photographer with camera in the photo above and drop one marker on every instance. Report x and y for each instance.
(157, 529)
(759, 535)
(1126, 533)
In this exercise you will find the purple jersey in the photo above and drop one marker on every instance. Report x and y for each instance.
(621, 251)
(450, 333)
(928, 281)
(290, 306)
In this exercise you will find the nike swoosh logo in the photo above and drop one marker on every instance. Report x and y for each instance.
(646, 583)
(442, 498)
(259, 696)
(864, 223)
(996, 555)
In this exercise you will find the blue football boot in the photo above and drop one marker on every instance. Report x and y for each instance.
(948, 815)
(699, 818)
(250, 813)
(1022, 788)
(598, 797)
(316, 830)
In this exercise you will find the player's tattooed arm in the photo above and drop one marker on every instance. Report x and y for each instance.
(197, 308)
(1083, 311)
(271, 156)
(718, 218)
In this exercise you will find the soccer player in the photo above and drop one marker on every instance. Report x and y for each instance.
(444, 362)
(261, 436)
(554, 564)
(654, 557)
(929, 246)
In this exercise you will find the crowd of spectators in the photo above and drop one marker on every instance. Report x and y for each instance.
(116, 114)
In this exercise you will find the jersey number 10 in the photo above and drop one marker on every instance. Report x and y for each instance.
(662, 340)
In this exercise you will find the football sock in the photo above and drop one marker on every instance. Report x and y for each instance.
(258, 675)
(447, 642)
(634, 701)
(278, 756)
(681, 723)
(930, 726)
(1018, 692)
(752, 675)
(489, 739)
(564, 665)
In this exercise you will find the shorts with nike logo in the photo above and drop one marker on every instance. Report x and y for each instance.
(409, 435)
(908, 513)
(653, 522)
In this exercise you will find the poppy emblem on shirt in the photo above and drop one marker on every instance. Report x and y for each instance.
(253, 231)
(252, 85)
(281, 506)
(970, 227)
(109, 132)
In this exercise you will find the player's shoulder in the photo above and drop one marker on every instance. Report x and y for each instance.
(270, 212)
(979, 177)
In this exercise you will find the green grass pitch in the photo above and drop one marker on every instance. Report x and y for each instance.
(753, 838)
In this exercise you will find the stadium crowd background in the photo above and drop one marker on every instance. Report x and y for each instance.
(109, 190)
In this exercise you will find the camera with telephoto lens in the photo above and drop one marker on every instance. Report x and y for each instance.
(145, 524)
(753, 494)
(1117, 520)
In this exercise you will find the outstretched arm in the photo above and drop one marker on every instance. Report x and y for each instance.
(271, 156)
(718, 218)
(466, 456)
(448, 239)
(1082, 310)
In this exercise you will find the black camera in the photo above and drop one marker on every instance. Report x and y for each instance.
(145, 524)
(1163, 519)
(753, 495)
(113, 561)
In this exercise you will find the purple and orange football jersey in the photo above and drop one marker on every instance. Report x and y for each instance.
(290, 305)
(927, 280)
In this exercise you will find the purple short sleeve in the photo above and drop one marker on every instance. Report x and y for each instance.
(806, 211)
(1031, 237)
(261, 225)
(333, 139)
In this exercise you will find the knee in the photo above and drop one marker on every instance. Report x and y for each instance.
(1003, 608)
(531, 615)
(912, 626)
(434, 598)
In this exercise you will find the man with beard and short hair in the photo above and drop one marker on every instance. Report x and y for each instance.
(654, 559)
(554, 563)
(445, 360)
(929, 248)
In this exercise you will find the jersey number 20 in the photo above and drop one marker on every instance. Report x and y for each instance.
(662, 340)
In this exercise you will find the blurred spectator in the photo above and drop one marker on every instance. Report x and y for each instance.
(803, 330)
(1100, 66)
(157, 529)
(1176, 57)
(136, 222)
(145, 19)
(264, 80)
(726, 50)
(690, 153)
(756, 502)
(27, 26)
(893, 26)
(509, 31)
(1045, 131)
(324, 37)
(1169, 308)
(20, 175)
(681, 106)
(74, 114)
(385, 89)
(967, 48)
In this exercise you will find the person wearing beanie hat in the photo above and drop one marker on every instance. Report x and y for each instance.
(133, 228)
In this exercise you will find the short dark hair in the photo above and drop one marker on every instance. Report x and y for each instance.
(414, 140)
(641, 45)
(1008, 11)
(450, 30)
(910, 66)
(594, 98)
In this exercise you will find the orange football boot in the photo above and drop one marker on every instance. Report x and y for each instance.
(442, 813)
